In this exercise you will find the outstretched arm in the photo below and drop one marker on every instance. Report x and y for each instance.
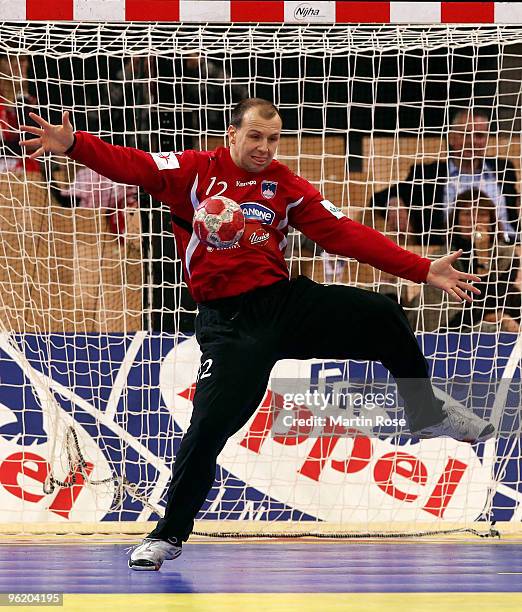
(326, 225)
(120, 164)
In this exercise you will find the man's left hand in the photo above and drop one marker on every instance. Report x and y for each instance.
(443, 275)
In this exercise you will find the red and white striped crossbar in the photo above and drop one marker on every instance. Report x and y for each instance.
(259, 11)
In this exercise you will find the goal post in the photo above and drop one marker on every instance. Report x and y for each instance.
(97, 362)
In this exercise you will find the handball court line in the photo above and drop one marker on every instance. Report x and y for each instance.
(294, 602)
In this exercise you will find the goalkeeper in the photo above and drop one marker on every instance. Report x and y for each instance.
(250, 314)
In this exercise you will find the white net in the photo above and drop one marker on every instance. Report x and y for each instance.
(413, 130)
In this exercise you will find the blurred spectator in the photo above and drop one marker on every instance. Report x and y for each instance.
(334, 267)
(121, 100)
(210, 91)
(91, 190)
(306, 250)
(424, 202)
(15, 103)
(477, 231)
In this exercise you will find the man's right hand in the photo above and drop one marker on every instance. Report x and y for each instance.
(397, 217)
(49, 138)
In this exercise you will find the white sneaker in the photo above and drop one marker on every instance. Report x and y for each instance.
(150, 554)
(460, 424)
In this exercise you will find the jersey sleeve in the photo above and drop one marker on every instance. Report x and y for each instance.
(162, 175)
(326, 225)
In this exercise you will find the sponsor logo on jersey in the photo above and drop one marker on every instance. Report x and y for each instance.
(331, 208)
(245, 183)
(227, 248)
(257, 212)
(165, 160)
(268, 189)
(259, 237)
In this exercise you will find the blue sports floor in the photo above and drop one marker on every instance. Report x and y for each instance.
(273, 575)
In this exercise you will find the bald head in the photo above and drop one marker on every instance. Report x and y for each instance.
(254, 133)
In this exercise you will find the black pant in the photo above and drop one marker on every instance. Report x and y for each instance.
(241, 339)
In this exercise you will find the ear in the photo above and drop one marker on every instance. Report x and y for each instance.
(231, 131)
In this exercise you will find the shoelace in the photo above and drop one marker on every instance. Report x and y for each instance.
(461, 419)
(130, 549)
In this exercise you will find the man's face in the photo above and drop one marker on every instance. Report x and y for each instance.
(254, 144)
(13, 67)
(193, 62)
(468, 136)
(5, 67)
(470, 218)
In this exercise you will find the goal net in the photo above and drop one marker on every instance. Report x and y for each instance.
(413, 130)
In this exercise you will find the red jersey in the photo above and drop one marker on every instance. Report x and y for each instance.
(271, 200)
